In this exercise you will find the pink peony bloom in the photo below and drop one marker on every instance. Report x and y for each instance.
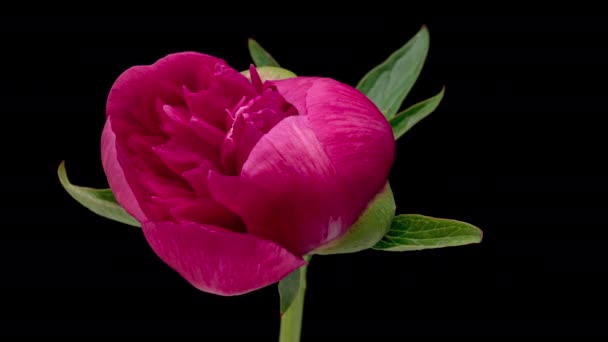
(234, 181)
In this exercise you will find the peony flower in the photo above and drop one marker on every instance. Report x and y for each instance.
(234, 179)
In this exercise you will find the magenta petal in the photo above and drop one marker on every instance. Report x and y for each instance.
(295, 91)
(197, 178)
(353, 132)
(178, 160)
(211, 134)
(143, 101)
(256, 81)
(247, 138)
(116, 176)
(288, 191)
(310, 177)
(219, 261)
(147, 82)
(207, 211)
(209, 107)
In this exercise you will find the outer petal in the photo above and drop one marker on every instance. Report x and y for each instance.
(116, 176)
(353, 132)
(308, 180)
(219, 261)
(288, 191)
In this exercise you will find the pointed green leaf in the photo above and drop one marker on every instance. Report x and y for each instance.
(415, 232)
(260, 56)
(388, 84)
(291, 286)
(405, 120)
(99, 201)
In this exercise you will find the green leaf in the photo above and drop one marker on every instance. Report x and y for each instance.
(99, 201)
(292, 285)
(369, 228)
(415, 232)
(260, 56)
(405, 120)
(388, 84)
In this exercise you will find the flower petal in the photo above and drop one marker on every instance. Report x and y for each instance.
(116, 176)
(308, 180)
(288, 191)
(149, 82)
(353, 132)
(226, 88)
(219, 261)
(207, 211)
(151, 132)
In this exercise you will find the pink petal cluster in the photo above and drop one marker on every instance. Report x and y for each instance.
(234, 180)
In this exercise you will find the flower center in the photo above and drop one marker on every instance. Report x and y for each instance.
(214, 128)
(250, 121)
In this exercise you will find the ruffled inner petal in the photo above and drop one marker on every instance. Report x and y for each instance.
(250, 121)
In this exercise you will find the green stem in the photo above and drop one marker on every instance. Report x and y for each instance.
(291, 321)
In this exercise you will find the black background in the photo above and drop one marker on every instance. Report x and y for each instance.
(517, 148)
